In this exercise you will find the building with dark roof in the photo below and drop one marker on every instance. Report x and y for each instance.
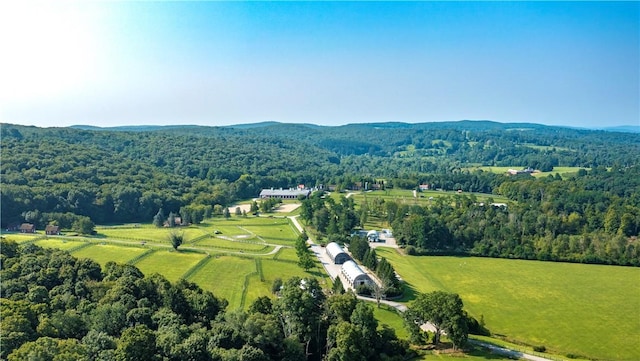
(27, 228)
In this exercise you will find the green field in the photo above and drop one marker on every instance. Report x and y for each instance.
(286, 254)
(170, 264)
(225, 277)
(225, 244)
(20, 237)
(389, 316)
(241, 267)
(148, 233)
(590, 310)
(271, 270)
(103, 253)
(59, 243)
(502, 170)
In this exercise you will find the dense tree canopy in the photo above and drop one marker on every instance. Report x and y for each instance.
(57, 307)
(75, 178)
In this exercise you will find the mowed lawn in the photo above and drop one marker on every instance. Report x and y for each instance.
(271, 270)
(59, 243)
(406, 196)
(286, 254)
(216, 242)
(20, 237)
(225, 277)
(103, 253)
(149, 232)
(502, 170)
(389, 316)
(590, 310)
(170, 264)
(276, 231)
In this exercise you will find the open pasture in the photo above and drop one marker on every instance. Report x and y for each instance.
(280, 231)
(233, 246)
(286, 254)
(170, 264)
(225, 277)
(389, 316)
(270, 270)
(103, 253)
(406, 196)
(563, 171)
(148, 232)
(590, 310)
(502, 170)
(59, 243)
(20, 237)
(275, 230)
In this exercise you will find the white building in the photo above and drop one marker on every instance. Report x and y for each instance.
(291, 193)
(336, 253)
(354, 274)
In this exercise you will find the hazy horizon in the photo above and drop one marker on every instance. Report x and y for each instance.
(110, 64)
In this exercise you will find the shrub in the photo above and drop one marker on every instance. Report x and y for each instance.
(539, 348)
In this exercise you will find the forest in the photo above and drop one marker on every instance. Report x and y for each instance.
(57, 307)
(81, 176)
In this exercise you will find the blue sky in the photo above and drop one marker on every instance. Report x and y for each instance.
(220, 63)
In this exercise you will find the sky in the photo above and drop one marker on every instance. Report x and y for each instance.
(112, 63)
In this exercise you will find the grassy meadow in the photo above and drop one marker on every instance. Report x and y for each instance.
(171, 264)
(501, 170)
(589, 310)
(103, 253)
(234, 258)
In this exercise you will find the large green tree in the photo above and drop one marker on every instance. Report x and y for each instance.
(444, 311)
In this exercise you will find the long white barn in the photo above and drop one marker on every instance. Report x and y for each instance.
(336, 253)
(354, 274)
(292, 193)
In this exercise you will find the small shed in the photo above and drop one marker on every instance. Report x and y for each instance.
(52, 230)
(336, 253)
(354, 274)
(27, 228)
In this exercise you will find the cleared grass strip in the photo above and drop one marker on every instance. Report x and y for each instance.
(225, 277)
(103, 253)
(137, 259)
(191, 271)
(59, 243)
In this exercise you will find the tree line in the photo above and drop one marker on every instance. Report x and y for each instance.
(76, 178)
(55, 307)
(593, 217)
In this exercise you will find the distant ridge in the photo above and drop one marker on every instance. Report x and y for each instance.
(623, 129)
(135, 128)
(459, 125)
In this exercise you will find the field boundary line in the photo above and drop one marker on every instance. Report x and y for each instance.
(259, 269)
(34, 240)
(245, 288)
(79, 247)
(191, 271)
(140, 257)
